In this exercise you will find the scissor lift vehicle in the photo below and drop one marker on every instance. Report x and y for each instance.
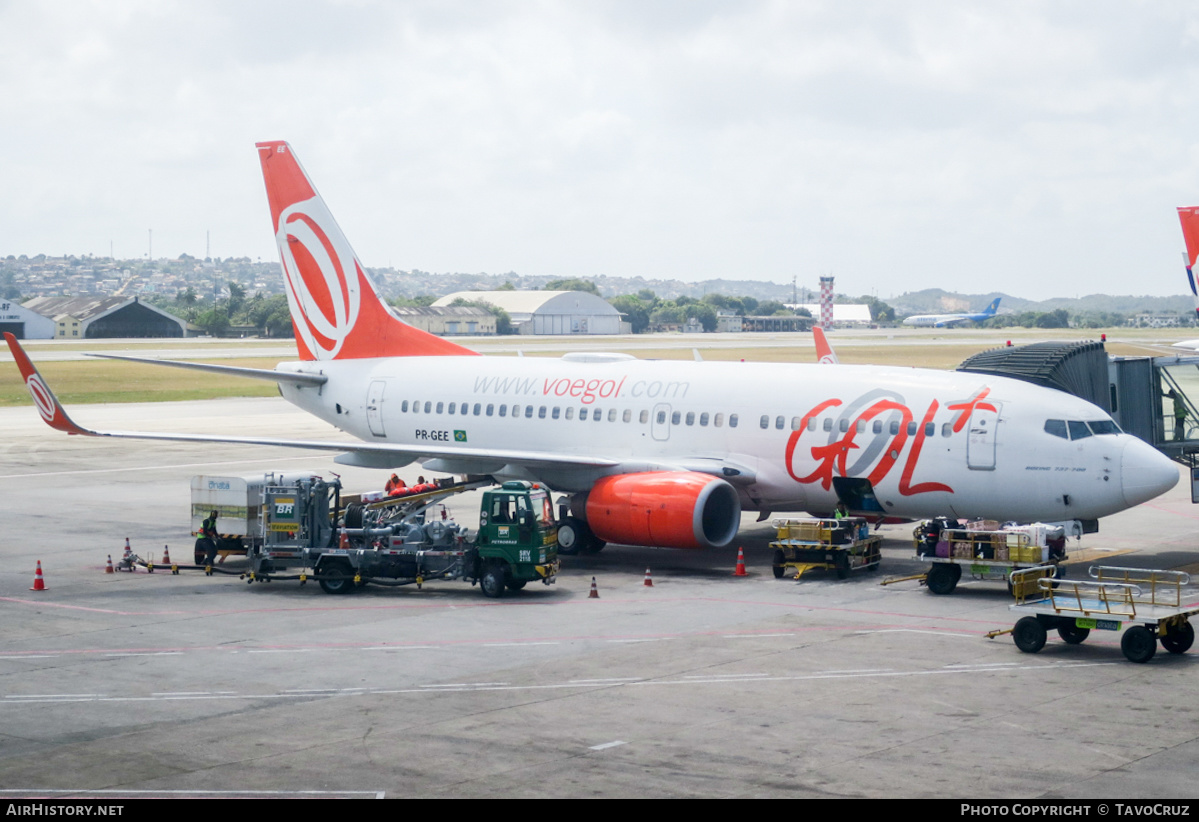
(839, 545)
(989, 554)
(1149, 606)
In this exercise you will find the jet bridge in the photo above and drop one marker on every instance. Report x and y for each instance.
(1141, 393)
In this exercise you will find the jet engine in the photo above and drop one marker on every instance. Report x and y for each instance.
(670, 509)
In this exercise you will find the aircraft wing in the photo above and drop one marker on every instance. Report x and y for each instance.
(355, 452)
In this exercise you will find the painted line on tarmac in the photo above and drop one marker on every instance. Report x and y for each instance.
(607, 745)
(479, 687)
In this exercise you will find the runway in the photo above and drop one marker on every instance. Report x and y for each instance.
(704, 685)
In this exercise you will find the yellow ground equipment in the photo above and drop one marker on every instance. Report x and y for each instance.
(839, 545)
(1149, 606)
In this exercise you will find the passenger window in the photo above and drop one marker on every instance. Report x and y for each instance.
(644, 417)
(529, 411)
(570, 412)
(732, 420)
(478, 408)
(946, 429)
(779, 422)
(843, 425)
(491, 408)
(628, 415)
(516, 410)
(811, 423)
(691, 418)
(877, 428)
(612, 415)
(718, 420)
(930, 428)
(674, 418)
(894, 428)
(440, 406)
(1057, 428)
(796, 422)
(452, 407)
(416, 406)
(404, 407)
(582, 413)
(703, 419)
(503, 410)
(429, 407)
(859, 426)
(828, 424)
(1078, 430)
(911, 429)
(764, 422)
(661, 417)
(555, 412)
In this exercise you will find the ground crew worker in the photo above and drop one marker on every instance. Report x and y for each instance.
(209, 535)
(394, 484)
(1180, 415)
(841, 511)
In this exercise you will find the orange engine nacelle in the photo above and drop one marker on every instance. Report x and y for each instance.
(669, 509)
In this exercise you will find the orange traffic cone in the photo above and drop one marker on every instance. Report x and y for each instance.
(39, 584)
(166, 555)
(108, 568)
(740, 572)
(128, 551)
(649, 579)
(594, 591)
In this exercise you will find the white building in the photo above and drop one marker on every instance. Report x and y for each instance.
(548, 312)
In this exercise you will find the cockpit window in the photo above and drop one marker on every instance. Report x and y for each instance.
(1057, 428)
(1078, 430)
(1102, 427)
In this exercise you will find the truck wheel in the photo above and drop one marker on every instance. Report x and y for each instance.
(344, 584)
(1029, 635)
(572, 535)
(516, 584)
(943, 578)
(1071, 633)
(841, 564)
(1138, 644)
(201, 551)
(493, 580)
(1179, 638)
(776, 564)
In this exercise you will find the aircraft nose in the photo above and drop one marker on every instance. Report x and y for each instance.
(1145, 472)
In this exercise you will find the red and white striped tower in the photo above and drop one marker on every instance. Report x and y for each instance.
(826, 303)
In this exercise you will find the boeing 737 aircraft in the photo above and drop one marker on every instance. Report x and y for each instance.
(942, 320)
(666, 453)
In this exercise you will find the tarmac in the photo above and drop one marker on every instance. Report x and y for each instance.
(704, 685)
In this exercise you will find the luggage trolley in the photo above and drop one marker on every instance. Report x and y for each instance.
(1147, 605)
(982, 550)
(840, 545)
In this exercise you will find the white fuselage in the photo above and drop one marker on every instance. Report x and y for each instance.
(929, 442)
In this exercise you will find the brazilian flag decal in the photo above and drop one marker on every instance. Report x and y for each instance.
(459, 436)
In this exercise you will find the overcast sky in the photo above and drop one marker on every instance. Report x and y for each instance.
(1038, 149)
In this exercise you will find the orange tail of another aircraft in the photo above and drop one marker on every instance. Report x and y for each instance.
(1189, 217)
(335, 310)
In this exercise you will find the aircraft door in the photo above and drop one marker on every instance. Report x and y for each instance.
(374, 407)
(660, 424)
(980, 444)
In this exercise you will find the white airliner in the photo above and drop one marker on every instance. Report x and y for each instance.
(942, 320)
(667, 453)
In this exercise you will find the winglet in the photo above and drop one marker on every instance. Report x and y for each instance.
(824, 352)
(47, 404)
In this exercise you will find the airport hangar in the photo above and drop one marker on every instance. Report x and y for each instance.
(548, 312)
(101, 318)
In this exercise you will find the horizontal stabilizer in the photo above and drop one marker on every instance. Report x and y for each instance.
(233, 370)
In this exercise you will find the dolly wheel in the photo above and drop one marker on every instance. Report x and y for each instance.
(1179, 638)
(1138, 644)
(1029, 635)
